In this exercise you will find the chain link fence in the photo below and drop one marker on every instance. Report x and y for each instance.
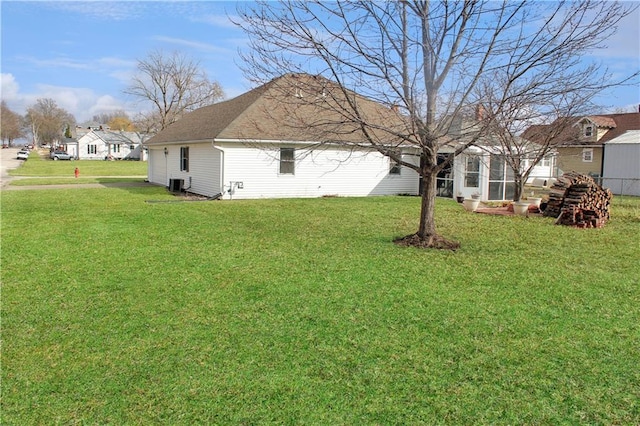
(621, 186)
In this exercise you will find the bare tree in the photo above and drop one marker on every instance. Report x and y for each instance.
(47, 121)
(173, 85)
(533, 98)
(10, 125)
(106, 117)
(426, 60)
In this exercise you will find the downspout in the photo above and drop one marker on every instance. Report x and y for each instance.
(222, 155)
(602, 166)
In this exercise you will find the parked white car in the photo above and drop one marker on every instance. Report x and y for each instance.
(23, 155)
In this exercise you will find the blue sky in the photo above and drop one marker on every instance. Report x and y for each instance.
(83, 54)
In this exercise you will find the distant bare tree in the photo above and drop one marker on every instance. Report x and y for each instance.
(105, 117)
(426, 60)
(47, 121)
(10, 125)
(173, 85)
(623, 110)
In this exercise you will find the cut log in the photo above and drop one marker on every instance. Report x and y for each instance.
(577, 200)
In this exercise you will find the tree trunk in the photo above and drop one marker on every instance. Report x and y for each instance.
(427, 227)
(519, 187)
(426, 237)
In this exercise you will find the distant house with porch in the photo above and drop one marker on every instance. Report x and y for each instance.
(101, 144)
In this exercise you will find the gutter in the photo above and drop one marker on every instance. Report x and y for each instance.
(222, 153)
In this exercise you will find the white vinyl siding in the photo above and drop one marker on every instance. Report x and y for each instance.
(323, 172)
(157, 167)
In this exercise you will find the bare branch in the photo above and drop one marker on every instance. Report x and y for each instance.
(173, 85)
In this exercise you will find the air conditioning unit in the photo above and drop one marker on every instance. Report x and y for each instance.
(176, 185)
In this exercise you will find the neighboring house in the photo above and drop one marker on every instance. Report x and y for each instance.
(621, 166)
(257, 146)
(98, 144)
(70, 146)
(581, 146)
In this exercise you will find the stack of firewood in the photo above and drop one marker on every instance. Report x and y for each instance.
(577, 200)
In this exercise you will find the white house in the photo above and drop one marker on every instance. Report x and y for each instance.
(621, 164)
(268, 143)
(253, 147)
(97, 144)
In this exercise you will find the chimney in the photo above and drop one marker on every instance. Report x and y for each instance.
(479, 112)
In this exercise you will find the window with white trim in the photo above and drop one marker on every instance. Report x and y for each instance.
(588, 130)
(394, 166)
(92, 149)
(287, 161)
(472, 172)
(184, 158)
(587, 155)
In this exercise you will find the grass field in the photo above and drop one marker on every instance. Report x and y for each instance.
(38, 166)
(123, 306)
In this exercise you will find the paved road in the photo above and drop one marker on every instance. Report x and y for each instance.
(8, 162)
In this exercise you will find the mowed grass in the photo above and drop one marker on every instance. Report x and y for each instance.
(116, 310)
(42, 166)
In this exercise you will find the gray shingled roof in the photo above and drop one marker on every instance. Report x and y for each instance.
(294, 107)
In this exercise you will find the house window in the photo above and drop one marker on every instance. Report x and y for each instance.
(92, 149)
(115, 148)
(287, 161)
(472, 172)
(132, 147)
(588, 131)
(394, 166)
(184, 158)
(587, 155)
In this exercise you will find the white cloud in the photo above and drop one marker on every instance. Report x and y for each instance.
(59, 62)
(106, 103)
(625, 43)
(221, 21)
(9, 87)
(106, 10)
(190, 43)
(78, 64)
(82, 103)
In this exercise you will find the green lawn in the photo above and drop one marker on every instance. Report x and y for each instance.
(117, 310)
(39, 166)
